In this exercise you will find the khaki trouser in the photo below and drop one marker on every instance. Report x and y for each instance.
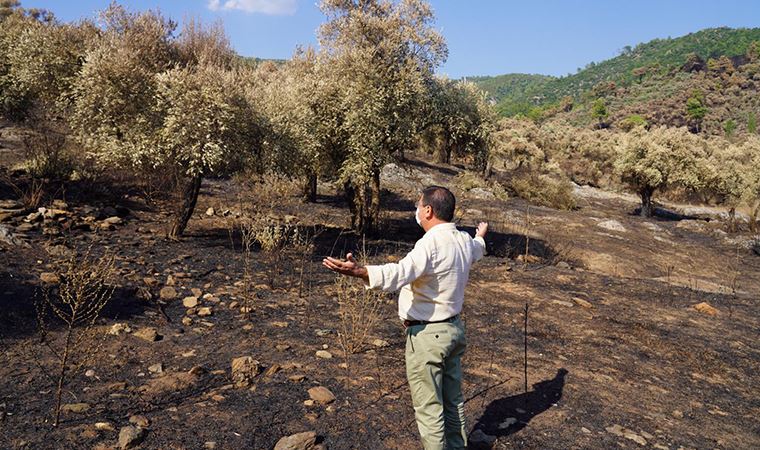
(434, 371)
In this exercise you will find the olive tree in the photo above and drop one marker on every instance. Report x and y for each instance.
(730, 172)
(378, 56)
(660, 158)
(152, 103)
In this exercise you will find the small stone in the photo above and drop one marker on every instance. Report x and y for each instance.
(706, 308)
(167, 293)
(205, 311)
(380, 343)
(324, 354)
(104, 426)
(190, 302)
(187, 321)
(209, 444)
(280, 324)
(210, 212)
(585, 430)
(244, 369)
(75, 407)
(147, 334)
(582, 303)
(628, 434)
(562, 303)
(114, 220)
(196, 292)
(89, 373)
(130, 437)
(156, 368)
(299, 441)
(282, 347)
(150, 281)
(49, 277)
(139, 420)
(616, 429)
(119, 328)
(308, 402)
(296, 378)
(612, 225)
(322, 395)
(677, 414)
(563, 265)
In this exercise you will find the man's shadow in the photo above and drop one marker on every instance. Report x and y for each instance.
(509, 415)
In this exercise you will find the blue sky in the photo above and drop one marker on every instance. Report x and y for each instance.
(485, 37)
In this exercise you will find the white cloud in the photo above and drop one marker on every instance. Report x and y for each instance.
(270, 7)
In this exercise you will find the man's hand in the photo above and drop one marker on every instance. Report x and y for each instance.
(348, 267)
(482, 229)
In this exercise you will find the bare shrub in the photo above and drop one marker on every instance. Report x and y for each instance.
(84, 289)
(46, 152)
(359, 311)
(544, 190)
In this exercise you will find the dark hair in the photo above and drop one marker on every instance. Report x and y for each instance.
(441, 200)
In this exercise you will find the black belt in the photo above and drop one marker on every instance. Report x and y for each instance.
(411, 323)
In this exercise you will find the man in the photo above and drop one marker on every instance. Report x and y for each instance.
(432, 278)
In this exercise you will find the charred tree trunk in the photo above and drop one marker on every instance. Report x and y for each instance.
(443, 154)
(732, 220)
(310, 188)
(188, 200)
(647, 208)
(374, 206)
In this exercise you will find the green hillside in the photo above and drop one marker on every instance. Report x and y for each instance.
(516, 93)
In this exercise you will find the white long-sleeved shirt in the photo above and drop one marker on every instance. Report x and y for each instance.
(431, 277)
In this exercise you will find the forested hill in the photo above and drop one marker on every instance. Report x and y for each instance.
(517, 93)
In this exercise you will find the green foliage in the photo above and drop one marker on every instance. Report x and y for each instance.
(599, 110)
(729, 127)
(695, 107)
(633, 121)
(658, 55)
(752, 122)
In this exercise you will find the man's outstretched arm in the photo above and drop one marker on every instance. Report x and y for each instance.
(480, 243)
(348, 267)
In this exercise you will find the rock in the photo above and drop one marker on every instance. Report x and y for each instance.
(280, 324)
(612, 225)
(150, 281)
(131, 437)
(89, 373)
(210, 212)
(139, 420)
(190, 302)
(50, 277)
(562, 303)
(628, 434)
(25, 227)
(209, 444)
(156, 368)
(706, 308)
(380, 343)
(481, 193)
(114, 220)
(479, 437)
(119, 328)
(297, 378)
(322, 395)
(147, 334)
(53, 213)
(205, 311)
(244, 369)
(10, 238)
(299, 441)
(187, 321)
(585, 430)
(196, 292)
(170, 383)
(282, 347)
(104, 426)
(75, 407)
(563, 265)
(582, 303)
(324, 354)
(677, 414)
(167, 293)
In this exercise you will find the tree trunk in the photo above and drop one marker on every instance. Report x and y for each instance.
(310, 188)
(753, 219)
(187, 206)
(732, 220)
(443, 153)
(647, 209)
(374, 206)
